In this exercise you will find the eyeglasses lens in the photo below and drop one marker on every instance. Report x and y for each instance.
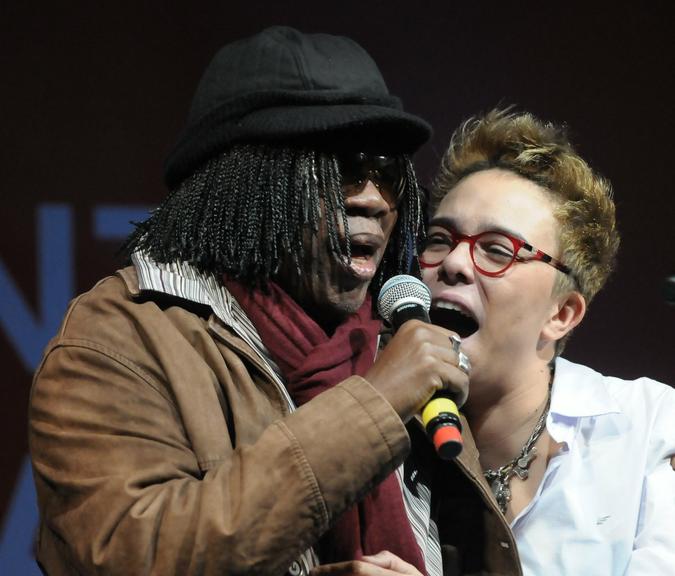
(383, 171)
(492, 252)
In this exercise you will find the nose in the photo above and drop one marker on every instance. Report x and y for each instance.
(365, 199)
(457, 267)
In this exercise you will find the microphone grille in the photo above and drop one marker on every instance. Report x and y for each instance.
(402, 289)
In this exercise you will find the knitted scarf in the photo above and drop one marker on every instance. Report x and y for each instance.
(312, 362)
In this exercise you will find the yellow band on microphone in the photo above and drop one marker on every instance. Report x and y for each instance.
(437, 406)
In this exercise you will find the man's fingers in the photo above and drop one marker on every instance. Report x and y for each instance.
(381, 564)
(389, 561)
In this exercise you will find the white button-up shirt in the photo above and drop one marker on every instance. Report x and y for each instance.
(606, 504)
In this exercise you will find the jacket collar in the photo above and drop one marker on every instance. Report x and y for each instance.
(228, 321)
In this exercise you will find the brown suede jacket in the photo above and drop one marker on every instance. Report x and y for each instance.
(161, 445)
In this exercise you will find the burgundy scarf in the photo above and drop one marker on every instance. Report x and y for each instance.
(312, 362)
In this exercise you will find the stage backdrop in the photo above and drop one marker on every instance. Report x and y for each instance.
(92, 99)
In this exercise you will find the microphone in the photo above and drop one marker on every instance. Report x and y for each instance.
(404, 298)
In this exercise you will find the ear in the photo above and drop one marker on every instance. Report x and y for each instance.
(567, 312)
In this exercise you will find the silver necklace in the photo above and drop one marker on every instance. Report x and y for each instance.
(499, 479)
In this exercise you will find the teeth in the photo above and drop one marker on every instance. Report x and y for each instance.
(455, 307)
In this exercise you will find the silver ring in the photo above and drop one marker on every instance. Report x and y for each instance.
(463, 360)
(456, 342)
(464, 364)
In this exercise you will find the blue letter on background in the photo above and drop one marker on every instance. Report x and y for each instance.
(29, 332)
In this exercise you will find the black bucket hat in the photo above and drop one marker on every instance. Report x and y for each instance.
(282, 84)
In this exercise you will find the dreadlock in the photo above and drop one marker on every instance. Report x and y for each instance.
(248, 208)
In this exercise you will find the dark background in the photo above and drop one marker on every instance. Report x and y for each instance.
(92, 98)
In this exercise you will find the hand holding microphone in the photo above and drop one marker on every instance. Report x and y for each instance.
(421, 361)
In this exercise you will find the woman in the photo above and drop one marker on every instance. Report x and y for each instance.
(522, 236)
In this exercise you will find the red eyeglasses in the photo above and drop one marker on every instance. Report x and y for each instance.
(492, 253)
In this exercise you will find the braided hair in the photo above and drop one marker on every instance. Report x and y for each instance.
(248, 208)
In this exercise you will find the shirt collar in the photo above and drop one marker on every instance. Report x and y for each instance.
(578, 391)
(176, 279)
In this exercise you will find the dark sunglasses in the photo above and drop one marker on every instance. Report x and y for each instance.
(385, 172)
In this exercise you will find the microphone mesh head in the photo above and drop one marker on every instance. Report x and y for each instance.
(402, 289)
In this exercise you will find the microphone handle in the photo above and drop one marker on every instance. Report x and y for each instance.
(441, 422)
(440, 415)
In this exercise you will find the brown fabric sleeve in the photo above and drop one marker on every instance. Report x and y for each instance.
(122, 492)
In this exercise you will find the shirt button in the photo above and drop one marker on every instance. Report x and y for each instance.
(504, 544)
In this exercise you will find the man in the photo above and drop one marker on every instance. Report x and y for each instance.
(163, 425)
(522, 237)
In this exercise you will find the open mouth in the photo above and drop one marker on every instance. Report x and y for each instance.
(453, 317)
(364, 249)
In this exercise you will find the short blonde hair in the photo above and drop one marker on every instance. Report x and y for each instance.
(542, 153)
